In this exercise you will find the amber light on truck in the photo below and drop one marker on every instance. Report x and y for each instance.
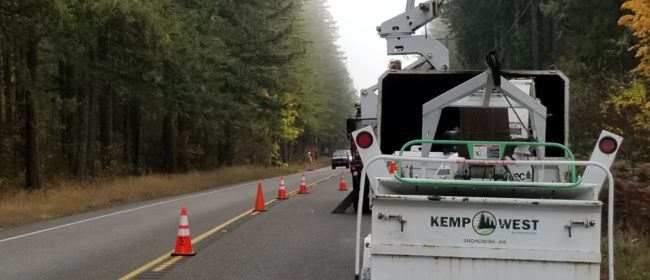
(395, 64)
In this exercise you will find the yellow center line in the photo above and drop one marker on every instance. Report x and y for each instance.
(167, 263)
(194, 240)
(221, 226)
(291, 193)
(167, 255)
(146, 266)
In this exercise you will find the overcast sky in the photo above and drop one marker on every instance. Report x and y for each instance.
(365, 51)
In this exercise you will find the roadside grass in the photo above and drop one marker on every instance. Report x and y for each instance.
(632, 258)
(67, 198)
(632, 224)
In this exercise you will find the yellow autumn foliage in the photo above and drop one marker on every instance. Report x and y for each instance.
(639, 22)
(628, 113)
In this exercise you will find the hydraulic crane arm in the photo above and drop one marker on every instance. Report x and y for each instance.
(399, 31)
(410, 20)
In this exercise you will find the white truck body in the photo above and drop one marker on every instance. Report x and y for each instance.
(513, 209)
(441, 240)
(468, 231)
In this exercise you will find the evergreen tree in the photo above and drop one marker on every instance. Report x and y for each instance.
(579, 37)
(482, 223)
(169, 85)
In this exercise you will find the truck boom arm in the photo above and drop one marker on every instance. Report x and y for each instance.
(400, 40)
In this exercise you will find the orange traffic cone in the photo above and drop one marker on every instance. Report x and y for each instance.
(259, 202)
(303, 185)
(392, 168)
(183, 240)
(282, 193)
(343, 186)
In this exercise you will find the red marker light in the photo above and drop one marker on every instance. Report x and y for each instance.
(607, 145)
(364, 139)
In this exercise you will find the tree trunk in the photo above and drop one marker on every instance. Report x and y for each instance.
(168, 143)
(18, 59)
(547, 39)
(105, 110)
(8, 88)
(68, 119)
(4, 125)
(32, 171)
(3, 97)
(534, 34)
(117, 132)
(92, 129)
(283, 151)
(105, 122)
(183, 142)
(82, 133)
(226, 146)
(136, 125)
(92, 112)
(127, 145)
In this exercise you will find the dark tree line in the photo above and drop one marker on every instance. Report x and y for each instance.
(92, 88)
(579, 37)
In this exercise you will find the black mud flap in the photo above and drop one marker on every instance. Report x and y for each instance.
(352, 199)
(347, 202)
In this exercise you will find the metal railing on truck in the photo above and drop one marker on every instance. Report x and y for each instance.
(574, 179)
(574, 182)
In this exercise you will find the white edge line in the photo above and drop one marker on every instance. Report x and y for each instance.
(124, 211)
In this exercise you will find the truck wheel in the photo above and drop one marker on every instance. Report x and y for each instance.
(355, 203)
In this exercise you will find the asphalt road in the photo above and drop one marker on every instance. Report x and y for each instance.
(296, 238)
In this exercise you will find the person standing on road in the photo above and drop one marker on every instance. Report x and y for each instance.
(310, 159)
(314, 152)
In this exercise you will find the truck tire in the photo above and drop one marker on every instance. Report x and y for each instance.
(355, 203)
